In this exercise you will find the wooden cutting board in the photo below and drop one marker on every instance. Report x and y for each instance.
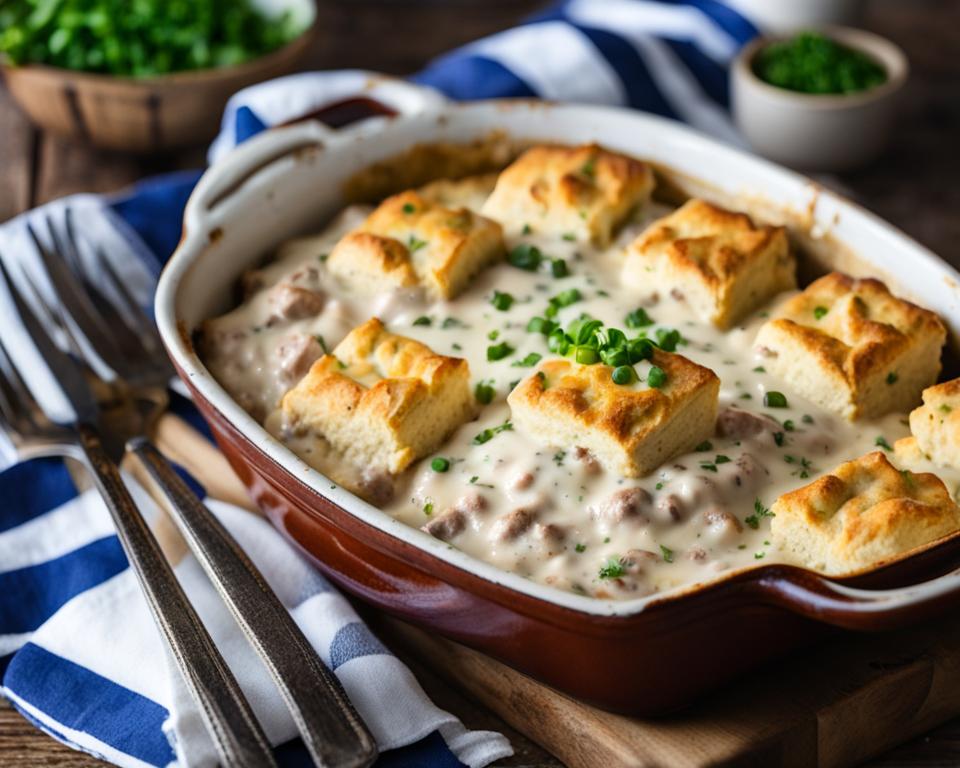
(847, 699)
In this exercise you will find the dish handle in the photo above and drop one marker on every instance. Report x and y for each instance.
(832, 602)
(359, 95)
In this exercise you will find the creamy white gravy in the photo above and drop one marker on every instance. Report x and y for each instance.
(545, 512)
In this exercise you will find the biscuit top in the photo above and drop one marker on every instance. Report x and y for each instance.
(588, 394)
(410, 239)
(864, 511)
(423, 228)
(935, 426)
(576, 190)
(856, 323)
(859, 489)
(715, 242)
(370, 353)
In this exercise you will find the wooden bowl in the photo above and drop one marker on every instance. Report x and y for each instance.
(141, 115)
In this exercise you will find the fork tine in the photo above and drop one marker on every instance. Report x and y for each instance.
(138, 319)
(61, 370)
(65, 247)
(90, 330)
(134, 335)
(17, 405)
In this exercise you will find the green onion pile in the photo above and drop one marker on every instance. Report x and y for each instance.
(813, 63)
(588, 342)
(139, 38)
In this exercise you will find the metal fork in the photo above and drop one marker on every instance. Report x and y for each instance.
(227, 714)
(332, 730)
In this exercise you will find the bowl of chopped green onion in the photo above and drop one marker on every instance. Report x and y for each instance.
(144, 75)
(818, 100)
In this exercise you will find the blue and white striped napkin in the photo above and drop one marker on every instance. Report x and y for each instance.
(79, 653)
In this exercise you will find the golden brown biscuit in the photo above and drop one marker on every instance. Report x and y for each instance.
(862, 513)
(582, 193)
(380, 399)
(721, 264)
(935, 425)
(851, 346)
(631, 429)
(409, 240)
(471, 192)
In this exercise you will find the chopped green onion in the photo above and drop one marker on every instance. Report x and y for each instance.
(657, 377)
(819, 312)
(499, 351)
(488, 434)
(502, 301)
(624, 375)
(566, 298)
(638, 319)
(422, 320)
(484, 392)
(667, 340)
(586, 355)
(528, 362)
(774, 399)
(541, 325)
(526, 256)
(558, 268)
(440, 464)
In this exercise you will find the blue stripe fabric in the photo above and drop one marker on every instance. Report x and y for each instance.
(32, 489)
(466, 77)
(711, 76)
(43, 588)
(668, 57)
(81, 700)
(353, 641)
(642, 90)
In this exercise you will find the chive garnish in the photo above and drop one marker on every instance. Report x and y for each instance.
(499, 351)
(774, 399)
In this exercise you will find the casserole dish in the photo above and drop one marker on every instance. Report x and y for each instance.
(643, 656)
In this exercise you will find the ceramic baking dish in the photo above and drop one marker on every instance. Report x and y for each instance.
(643, 656)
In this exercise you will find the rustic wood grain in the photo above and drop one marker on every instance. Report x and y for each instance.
(914, 186)
(17, 139)
(842, 702)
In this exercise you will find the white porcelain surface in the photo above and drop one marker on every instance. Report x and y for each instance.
(817, 132)
(791, 15)
(287, 181)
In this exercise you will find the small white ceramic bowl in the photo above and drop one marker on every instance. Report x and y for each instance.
(778, 16)
(817, 132)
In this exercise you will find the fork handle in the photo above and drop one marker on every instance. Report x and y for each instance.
(236, 733)
(332, 731)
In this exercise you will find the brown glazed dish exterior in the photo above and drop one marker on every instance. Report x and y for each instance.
(651, 662)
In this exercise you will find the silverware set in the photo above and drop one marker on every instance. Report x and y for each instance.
(87, 344)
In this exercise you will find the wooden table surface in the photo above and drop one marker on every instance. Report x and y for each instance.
(916, 186)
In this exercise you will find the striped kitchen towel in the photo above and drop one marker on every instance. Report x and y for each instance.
(79, 654)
